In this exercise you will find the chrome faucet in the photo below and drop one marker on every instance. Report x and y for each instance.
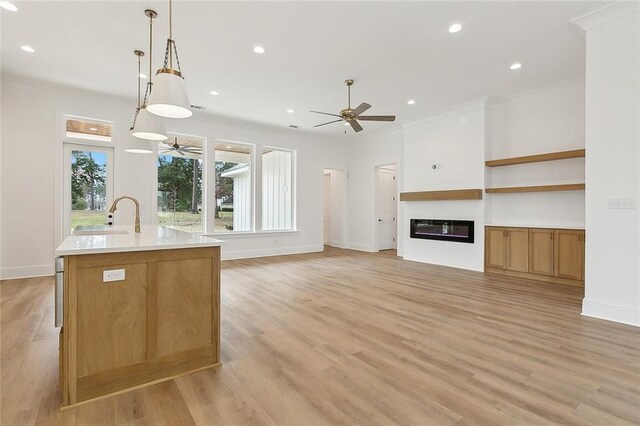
(114, 207)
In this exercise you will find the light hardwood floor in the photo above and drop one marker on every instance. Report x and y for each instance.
(356, 338)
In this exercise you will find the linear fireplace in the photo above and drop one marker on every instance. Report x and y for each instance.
(444, 230)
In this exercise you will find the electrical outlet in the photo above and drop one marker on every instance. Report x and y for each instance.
(113, 275)
(621, 203)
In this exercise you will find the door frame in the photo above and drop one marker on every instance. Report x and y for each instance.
(68, 148)
(342, 213)
(376, 233)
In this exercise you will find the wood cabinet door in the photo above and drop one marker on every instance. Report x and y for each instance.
(569, 254)
(518, 249)
(496, 248)
(541, 242)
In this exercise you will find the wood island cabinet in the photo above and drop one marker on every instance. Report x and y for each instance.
(161, 321)
(552, 255)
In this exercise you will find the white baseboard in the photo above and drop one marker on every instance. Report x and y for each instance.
(277, 251)
(26, 272)
(362, 247)
(611, 311)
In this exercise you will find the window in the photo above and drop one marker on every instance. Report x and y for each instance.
(88, 185)
(233, 187)
(78, 128)
(180, 184)
(277, 179)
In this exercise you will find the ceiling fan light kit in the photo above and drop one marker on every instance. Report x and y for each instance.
(351, 116)
(169, 98)
(146, 125)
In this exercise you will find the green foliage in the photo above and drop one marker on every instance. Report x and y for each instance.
(176, 181)
(87, 177)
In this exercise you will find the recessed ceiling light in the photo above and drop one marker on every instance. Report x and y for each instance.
(214, 93)
(28, 49)
(8, 6)
(454, 28)
(290, 111)
(411, 102)
(228, 147)
(93, 129)
(516, 66)
(142, 75)
(258, 49)
(346, 123)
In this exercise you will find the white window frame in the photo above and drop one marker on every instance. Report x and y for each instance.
(211, 186)
(293, 190)
(205, 178)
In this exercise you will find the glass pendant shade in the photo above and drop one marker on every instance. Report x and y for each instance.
(137, 145)
(149, 126)
(169, 97)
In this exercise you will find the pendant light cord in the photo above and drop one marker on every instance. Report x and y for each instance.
(171, 32)
(147, 92)
(138, 80)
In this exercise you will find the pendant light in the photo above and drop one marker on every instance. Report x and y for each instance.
(170, 98)
(149, 126)
(137, 145)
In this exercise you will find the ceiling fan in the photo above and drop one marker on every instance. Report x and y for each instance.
(351, 116)
(182, 150)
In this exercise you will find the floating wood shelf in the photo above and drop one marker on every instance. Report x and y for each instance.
(551, 156)
(540, 188)
(454, 194)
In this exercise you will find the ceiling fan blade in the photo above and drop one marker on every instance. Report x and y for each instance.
(328, 122)
(326, 113)
(377, 117)
(361, 108)
(355, 126)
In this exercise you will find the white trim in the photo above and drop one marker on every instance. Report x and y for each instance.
(606, 14)
(551, 90)
(247, 254)
(470, 106)
(362, 247)
(26, 272)
(611, 311)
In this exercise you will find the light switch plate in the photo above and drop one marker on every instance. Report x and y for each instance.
(113, 275)
(621, 203)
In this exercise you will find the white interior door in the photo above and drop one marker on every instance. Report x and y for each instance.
(327, 207)
(386, 207)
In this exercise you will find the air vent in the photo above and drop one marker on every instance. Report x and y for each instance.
(293, 126)
(197, 107)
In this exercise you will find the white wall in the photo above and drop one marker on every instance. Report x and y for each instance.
(454, 141)
(364, 155)
(545, 120)
(31, 182)
(612, 286)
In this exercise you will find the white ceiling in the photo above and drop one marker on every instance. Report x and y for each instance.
(395, 51)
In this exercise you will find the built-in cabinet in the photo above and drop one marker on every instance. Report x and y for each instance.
(553, 255)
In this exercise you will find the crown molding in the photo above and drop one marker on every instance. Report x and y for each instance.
(607, 14)
(551, 90)
(466, 107)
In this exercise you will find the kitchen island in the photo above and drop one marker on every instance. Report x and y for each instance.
(139, 308)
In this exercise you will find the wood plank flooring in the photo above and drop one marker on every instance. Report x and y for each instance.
(344, 337)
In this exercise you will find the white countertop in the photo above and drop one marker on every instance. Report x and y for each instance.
(152, 237)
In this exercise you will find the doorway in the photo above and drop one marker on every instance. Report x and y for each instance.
(386, 207)
(334, 207)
